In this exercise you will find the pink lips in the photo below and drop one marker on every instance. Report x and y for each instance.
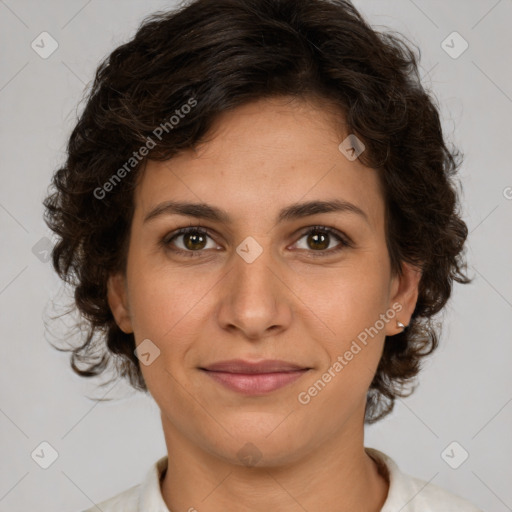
(254, 378)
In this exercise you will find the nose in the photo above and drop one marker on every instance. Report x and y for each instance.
(255, 300)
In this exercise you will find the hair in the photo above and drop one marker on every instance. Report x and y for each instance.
(220, 55)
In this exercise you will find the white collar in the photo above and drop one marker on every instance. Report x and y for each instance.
(406, 493)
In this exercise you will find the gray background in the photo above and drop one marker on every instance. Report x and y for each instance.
(103, 448)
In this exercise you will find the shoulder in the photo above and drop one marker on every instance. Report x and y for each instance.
(429, 497)
(145, 496)
(126, 501)
(410, 494)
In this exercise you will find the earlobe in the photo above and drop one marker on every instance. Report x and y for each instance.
(117, 297)
(405, 291)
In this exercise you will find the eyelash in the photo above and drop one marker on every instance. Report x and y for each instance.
(345, 241)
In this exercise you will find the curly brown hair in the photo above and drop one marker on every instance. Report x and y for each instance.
(224, 54)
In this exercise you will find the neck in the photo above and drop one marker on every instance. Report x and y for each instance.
(335, 475)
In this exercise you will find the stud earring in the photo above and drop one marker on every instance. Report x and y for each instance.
(400, 324)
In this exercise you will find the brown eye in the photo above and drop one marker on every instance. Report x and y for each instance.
(187, 241)
(320, 238)
(194, 241)
(318, 241)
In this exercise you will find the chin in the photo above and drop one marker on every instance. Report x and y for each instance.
(260, 444)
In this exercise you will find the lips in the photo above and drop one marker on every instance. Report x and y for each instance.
(265, 366)
(251, 378)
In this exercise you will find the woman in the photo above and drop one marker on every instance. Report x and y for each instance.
(258, 217)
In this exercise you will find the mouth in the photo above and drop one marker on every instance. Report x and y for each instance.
(251, 378)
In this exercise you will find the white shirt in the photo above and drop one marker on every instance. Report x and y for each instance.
(406, 493)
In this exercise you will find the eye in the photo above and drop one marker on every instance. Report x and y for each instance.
(319, 238)
(193, 240)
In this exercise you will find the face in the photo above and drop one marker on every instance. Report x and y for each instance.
(261, 279)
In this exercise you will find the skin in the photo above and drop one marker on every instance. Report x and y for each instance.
(287, 304)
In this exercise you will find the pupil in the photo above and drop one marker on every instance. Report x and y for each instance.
(194, 239)
(323, 243)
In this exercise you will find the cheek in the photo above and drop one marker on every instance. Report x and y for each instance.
(349, 303)
(161, 296)
(345, 300)
(353, 342)
(168, 307)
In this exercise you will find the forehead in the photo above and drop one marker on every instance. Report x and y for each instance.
(260, 157)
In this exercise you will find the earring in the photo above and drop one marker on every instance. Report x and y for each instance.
(400, 324)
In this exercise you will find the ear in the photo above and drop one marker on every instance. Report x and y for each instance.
(118, 301)
(403, 298)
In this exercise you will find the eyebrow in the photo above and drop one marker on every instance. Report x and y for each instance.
(291, 212)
